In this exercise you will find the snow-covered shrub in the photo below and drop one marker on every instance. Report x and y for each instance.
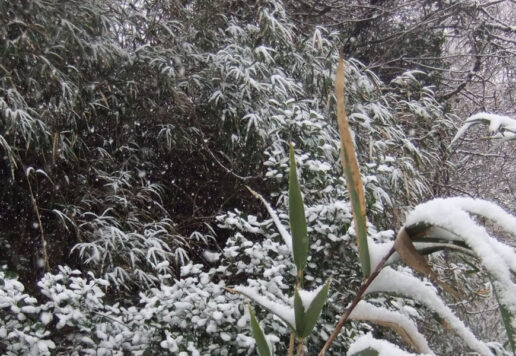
(22, 320)
(435, 225)
(114, 99)
(148, 131)
(86, 101)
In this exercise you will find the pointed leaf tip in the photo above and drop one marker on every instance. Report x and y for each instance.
(296, 210)
(315, 309)
(306, 319)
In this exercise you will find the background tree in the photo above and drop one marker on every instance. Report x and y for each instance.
(129, 130)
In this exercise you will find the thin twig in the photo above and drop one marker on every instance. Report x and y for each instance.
(38, 216)
(357, 299)
(230, 290)
(55, 145)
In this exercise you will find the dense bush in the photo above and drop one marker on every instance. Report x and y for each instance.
(129, 132)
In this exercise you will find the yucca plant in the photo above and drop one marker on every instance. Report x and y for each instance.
(302, 316)
(433, 226)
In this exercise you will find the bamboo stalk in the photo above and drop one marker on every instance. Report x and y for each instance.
(291, 345)
(300, 348)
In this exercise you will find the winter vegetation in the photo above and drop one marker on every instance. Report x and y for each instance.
(257, 177)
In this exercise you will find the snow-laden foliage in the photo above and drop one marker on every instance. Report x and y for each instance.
(76, 318)
(500, 126)
(148, 120)
(105, 101)
(368, 345)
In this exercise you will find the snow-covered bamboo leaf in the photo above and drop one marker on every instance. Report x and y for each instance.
(405, 327)
(352, 172)
(296, 210)
(261, 342)
(367, 345)
(487, 210)
(283, 311)
(392, 281)
(503, 125)
(451, 217)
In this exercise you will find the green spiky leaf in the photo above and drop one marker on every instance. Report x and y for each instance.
(296, 210)
(306, 319)
(261, 343)
(314, 310)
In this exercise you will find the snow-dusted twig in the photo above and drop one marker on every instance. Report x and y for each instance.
(504, 126)
(40, 224)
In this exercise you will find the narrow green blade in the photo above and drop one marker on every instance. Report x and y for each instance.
(261, 343)
(314, 310)
(299, 311)
(296, 210)
(508, 322)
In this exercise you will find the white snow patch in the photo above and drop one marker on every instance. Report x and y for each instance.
(42, 347)
(190, 269)
(392, 281)
(217, 315)
(496, 123)
(211, 257)
(499, 259)
(283, 311)
(377, 251)
(29, 309)
(383, 347)
(307, 297)
(225, 336)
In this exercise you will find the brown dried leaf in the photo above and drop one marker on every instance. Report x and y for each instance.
(411, 256)
(352, 171)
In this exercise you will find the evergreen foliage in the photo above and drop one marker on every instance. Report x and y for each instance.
(129, 131)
